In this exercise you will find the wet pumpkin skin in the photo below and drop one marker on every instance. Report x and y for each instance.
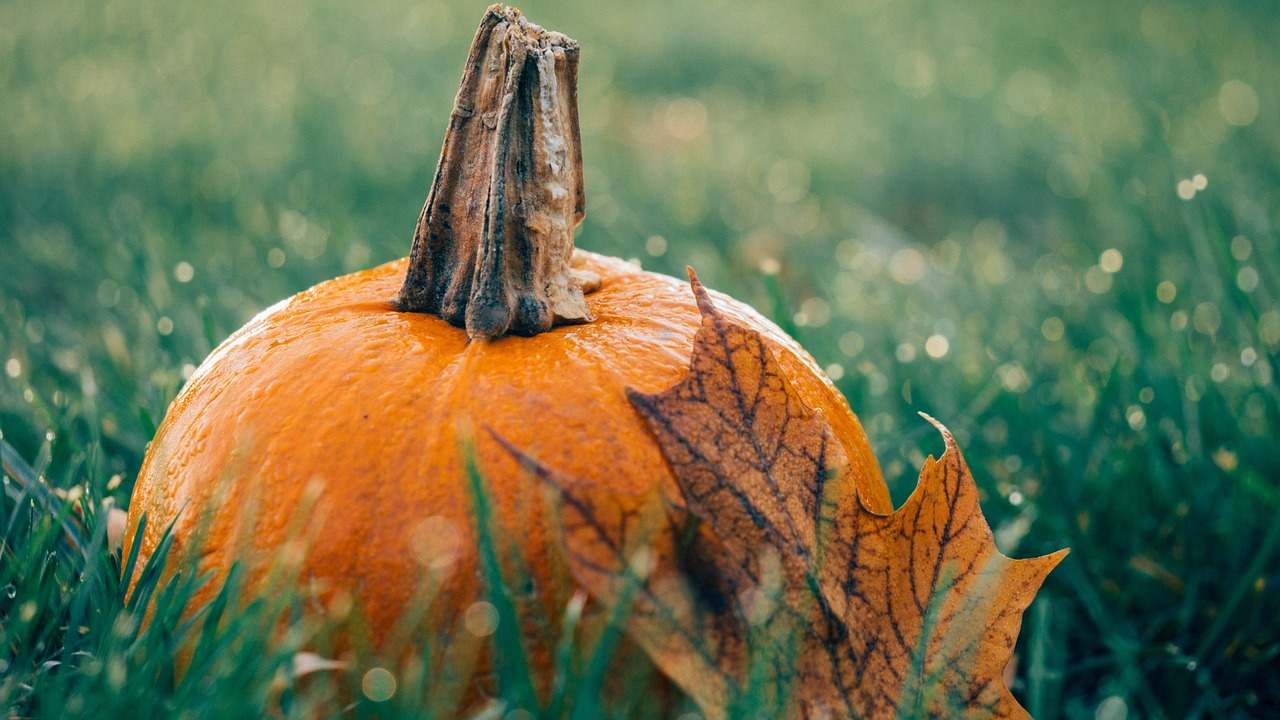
(336, 401)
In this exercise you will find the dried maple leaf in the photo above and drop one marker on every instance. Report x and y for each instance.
(768, 587)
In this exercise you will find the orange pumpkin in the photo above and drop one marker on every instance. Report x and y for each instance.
(353, 399)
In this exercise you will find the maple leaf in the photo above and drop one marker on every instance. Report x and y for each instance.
(768, 587)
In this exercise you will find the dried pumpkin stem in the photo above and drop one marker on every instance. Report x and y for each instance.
(494, 244)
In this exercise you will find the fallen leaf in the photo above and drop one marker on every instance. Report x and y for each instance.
(769, 587)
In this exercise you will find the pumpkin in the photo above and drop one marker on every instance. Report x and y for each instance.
(359, 399)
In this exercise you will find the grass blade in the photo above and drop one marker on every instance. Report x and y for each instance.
(510, 660)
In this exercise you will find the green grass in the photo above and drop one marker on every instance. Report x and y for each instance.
(76, 645)
(915, 172)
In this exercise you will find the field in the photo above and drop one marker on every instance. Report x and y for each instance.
(1053, 228)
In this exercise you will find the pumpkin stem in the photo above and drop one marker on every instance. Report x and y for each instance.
(493, 248)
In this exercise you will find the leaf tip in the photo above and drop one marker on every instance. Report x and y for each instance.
(700, 293)
(1037, 570)
(1052, 559)
(642, 402)
(948, 439)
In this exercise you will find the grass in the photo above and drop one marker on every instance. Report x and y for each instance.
(77, 645)
(977, 211)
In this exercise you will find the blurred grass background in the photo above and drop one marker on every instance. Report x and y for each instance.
(1052, 227)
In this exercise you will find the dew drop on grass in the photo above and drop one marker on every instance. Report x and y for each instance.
(10, 591)
(1241, 248)
(117, 672)
(1112, 708)
(1238, 103)
(481, 619)
(1247, 279)
(937, 346)
(1111, 260)
(378, 684)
